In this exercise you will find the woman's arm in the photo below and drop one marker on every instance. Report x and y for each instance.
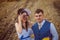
(18, 28)
(18, 25)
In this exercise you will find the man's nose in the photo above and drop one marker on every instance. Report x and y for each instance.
(38, 17)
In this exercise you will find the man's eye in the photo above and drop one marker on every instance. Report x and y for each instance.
(36, 16)
(39, 15)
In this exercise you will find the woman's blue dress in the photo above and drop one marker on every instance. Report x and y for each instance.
(25, 35)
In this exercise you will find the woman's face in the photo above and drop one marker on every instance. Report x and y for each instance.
(24, 17)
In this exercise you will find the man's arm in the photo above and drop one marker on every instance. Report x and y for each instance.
(53, 32)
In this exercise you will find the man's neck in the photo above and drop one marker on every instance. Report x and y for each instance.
(40, 22)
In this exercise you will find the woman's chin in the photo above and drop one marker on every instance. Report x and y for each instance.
(24, 20)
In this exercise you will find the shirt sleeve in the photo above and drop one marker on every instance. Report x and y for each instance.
(53, 32)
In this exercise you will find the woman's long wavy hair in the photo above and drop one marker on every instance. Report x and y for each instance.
(21, 11)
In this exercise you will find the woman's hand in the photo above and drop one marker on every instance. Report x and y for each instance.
(19, 19)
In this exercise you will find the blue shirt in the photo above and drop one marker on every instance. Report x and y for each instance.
(53, 30)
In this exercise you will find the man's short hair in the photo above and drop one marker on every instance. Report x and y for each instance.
(38, 11)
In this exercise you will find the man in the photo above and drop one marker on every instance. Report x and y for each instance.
(43, 29)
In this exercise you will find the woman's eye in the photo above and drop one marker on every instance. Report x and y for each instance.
(24, 16)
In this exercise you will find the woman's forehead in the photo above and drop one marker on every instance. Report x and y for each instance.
(24, 13)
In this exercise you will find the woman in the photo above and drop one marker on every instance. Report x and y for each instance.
(23, 25)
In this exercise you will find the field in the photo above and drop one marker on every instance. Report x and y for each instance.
(8, 14)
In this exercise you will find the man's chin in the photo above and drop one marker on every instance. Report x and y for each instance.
(39, 21)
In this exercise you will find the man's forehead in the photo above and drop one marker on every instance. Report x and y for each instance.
(38, 13)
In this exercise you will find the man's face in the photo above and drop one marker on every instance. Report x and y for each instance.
(39, 16)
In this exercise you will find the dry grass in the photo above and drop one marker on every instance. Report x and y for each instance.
(8, 11)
